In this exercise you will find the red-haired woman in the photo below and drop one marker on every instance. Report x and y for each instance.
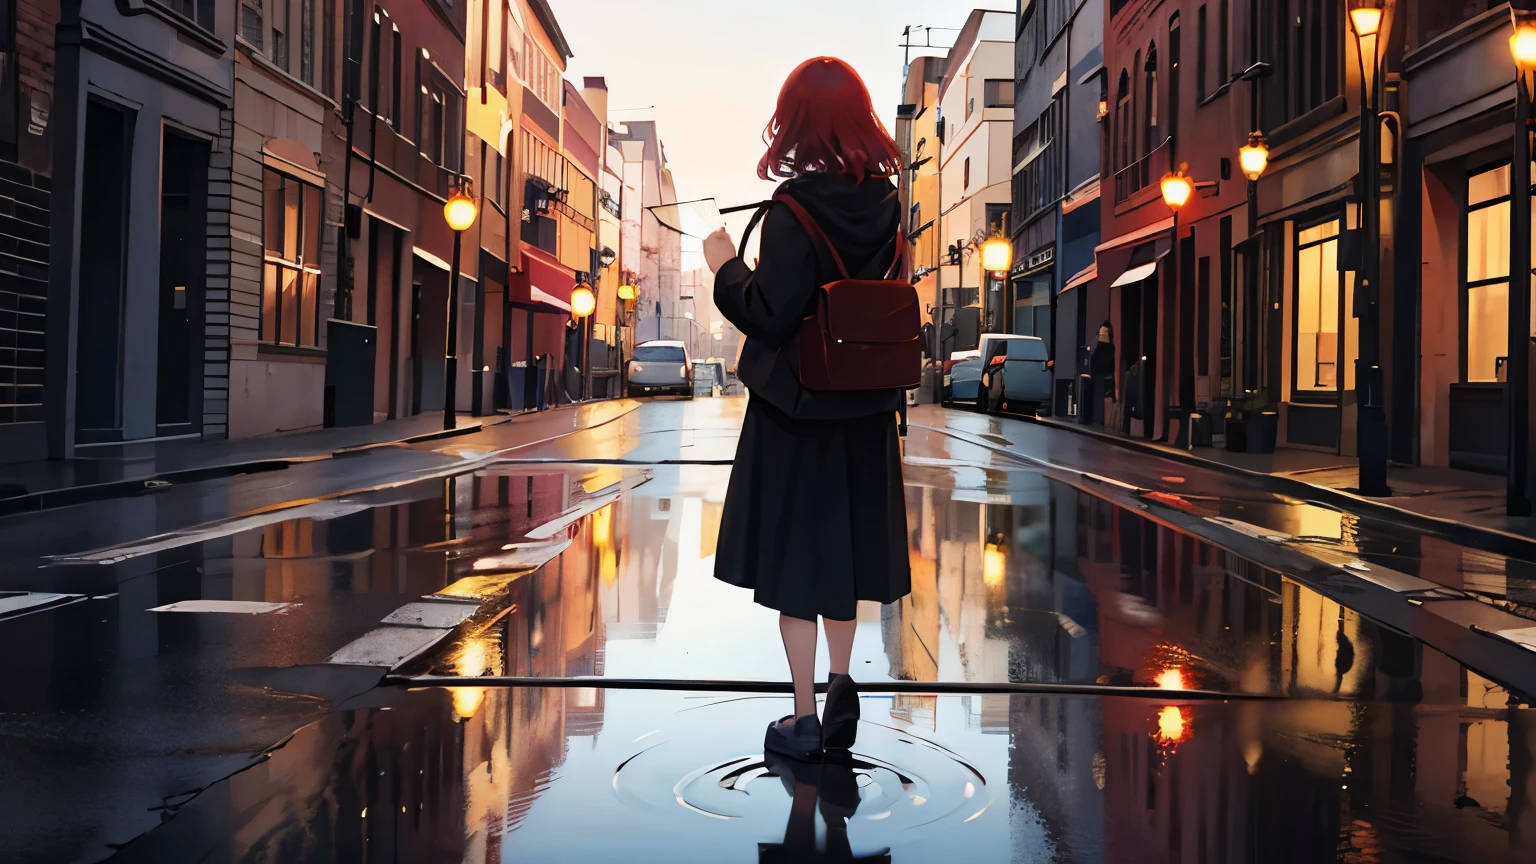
(814, 517)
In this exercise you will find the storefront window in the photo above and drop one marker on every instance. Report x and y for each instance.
(1326, 340)
(1486, 275)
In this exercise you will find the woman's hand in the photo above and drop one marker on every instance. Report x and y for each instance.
(719, 248)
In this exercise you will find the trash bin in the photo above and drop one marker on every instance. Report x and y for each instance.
(1200, 431)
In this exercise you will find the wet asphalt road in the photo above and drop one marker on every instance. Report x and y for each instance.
(622, 719)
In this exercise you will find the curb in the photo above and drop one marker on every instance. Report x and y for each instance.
(69, 496)
(1490, 540)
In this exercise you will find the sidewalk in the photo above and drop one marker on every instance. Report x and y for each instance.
(124, 469)
(1474, 500)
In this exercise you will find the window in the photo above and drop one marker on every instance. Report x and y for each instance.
(200, 12)
(328, 47)
(1324, 301)
(307, 42)
(8, 91)
(290, 286)
(999, 93)
(1203, 316)
(1175, 60)
(515, 49)
(1224, 43)
(499, 180)
(1428, 20)
(1485, 276)
(965, 184)
(1150, 99)
(1305, 38)
(1122, 121)
(251, 22)
(280, 34)
(1037, 181)
(376, 65)
(396, 70)
(496, 18)
(1202, 72)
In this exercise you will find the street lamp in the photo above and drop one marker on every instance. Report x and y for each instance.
(1254, 156)
(583, 303)
(460, 212)
(1522, 48)
(995, 255)
(1371, 21)
(1178, 189)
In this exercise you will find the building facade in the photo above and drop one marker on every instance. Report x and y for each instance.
(1060, 74)
(143, 307)
(26, 170)
(976, 103)
(917, 133)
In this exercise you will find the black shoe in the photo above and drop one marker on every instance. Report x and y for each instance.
(800, 739)
(840, 716)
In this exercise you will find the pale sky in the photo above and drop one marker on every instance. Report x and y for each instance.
(713, 68)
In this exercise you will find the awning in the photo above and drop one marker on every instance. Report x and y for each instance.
(1086, 275)
(1143, 263)
(1163, 227)
(1134, 275)
(542, 282)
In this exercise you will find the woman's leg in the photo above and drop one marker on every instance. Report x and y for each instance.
(839, 643)
(800, 648)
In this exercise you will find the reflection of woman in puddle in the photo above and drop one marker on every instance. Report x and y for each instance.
(834, 786)
(814, 519)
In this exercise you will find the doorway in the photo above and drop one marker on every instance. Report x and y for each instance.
(99, 345)
(1139, 316)
(183, 269)
(429, 328)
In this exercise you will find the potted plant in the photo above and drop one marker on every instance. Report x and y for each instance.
(1261, 422)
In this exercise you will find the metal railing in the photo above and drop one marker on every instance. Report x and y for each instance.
(1143, 172)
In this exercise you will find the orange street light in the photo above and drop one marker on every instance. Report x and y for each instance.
(1254, 157)
(1177, 188)
(996, 255)
(583, 301)
(626, 292)
(1522, 46)
(461, 211)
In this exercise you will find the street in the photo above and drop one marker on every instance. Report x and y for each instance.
(509, 646)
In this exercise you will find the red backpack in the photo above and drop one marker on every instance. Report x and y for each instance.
(861, 334)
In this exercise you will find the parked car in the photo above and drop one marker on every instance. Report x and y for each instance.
(1020, 378)
(962, 378)
(661, 367)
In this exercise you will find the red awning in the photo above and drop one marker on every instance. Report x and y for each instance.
(542, 283)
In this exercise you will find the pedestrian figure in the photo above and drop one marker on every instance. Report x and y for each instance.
(814, 518)
(1101, 376)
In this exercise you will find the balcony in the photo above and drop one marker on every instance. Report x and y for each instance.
(1143, 172)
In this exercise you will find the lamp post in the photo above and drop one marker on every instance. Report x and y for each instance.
(1522, 47)
(626, 295)
(1178, 189)
(460, 212)
(996, 257)
(583, 303)
(1371, 21)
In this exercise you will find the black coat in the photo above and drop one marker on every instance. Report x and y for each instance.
(815, 517)
(767, 305)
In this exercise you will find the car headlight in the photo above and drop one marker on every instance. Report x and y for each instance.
(636, 367)
(682, 371)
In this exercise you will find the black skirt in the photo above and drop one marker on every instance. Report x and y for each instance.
(815, 517)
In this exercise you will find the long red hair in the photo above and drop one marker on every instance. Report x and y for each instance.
(825, 123)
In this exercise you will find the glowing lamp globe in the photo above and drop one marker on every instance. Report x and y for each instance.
(583, 301)
(1366, 20)
(461, 210)
(1522, 46)
(1254, 157)
(627, 292)
(1177, 189)
(996, 255)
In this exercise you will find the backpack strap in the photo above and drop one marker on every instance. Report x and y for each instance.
(818, 237)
